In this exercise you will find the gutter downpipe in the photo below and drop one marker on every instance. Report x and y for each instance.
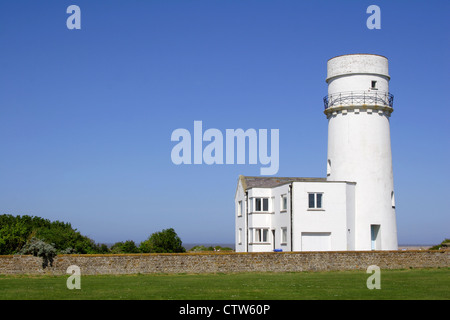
(246, 221)
(291, 195)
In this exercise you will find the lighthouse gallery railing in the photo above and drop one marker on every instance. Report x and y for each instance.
(350, 98)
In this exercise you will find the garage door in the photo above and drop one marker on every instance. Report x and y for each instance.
(316, 241)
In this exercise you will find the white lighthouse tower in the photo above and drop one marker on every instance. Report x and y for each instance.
(358, 108)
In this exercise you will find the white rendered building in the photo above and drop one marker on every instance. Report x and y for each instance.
(352, 208)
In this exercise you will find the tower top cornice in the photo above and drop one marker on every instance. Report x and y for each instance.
(357, 63)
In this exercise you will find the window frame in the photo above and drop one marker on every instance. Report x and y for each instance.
(258, 235)
(284, 236)
(373, 85)
(393, 199)
(315, 207)
(283, 198)
(239, 208)
(261, 205)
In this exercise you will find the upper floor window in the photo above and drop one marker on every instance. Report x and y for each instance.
(315, 200)
(283, 202)
(373, 85)
(393, 199)
(261, 204)
(239, 209)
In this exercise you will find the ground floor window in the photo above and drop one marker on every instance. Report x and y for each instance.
(260, 235)
(283, 235)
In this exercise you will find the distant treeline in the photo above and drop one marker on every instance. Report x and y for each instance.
(18, 231)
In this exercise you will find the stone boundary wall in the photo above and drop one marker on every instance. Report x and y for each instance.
(226, 262)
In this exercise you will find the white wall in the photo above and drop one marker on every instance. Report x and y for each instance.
(359, 147)
(260, 220)
(353, 64)
(273, 220)
(351, 216)
(331, 219)
(240, 221)
(336, 218)
(359, 150)
(281, 218)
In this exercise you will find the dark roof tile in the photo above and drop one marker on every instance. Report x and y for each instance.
(270, 182)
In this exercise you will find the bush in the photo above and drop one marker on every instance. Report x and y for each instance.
(15, 231)
(39, 248)
(102, 248)
(124, 247)
(165, 241)
(210, 248)
(198, 249)
(13, 234)
(68, 250)
(42, 237)
(443, 245)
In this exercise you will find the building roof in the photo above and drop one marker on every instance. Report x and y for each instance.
(270, 182)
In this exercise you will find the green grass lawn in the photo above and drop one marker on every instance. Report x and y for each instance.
(395, 284)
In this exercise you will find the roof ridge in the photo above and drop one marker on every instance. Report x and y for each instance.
(271, 182)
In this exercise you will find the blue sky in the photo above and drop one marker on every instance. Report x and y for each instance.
(86, 115)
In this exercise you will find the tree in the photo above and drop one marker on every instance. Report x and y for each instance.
(39, 248)
(102, 248)
(13, 235)
(15, 231)
(165, 241)
(124, 247)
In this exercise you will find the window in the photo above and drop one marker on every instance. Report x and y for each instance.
(239, 208)
(261, 204)
(283, 202)
(328, 167)
(373, 85)
(315, 200)
(240, 236)
(393, 199)
(261, 235)
(283, 235)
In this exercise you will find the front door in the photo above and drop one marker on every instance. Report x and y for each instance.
(374, 231)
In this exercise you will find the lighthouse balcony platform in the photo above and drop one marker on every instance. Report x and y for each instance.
(359, 98)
